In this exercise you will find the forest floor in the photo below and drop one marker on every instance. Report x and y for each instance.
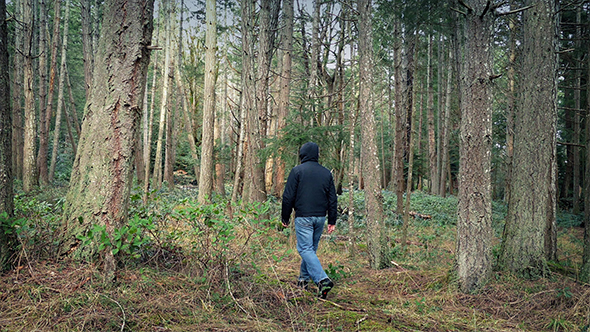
(254, 290)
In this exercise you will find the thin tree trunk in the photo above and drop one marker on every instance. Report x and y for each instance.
(434, 178)
(60, 93)
(510, 108)
(585, 268)
(46, 122)
(408, 190)
(157, 177)
(147, 149)
(576, 139)
(17, 117)
(445, 127)
(42, 82)
(208, 138)
(87, 50)
(30, 179)
(7, 238)
(101, 179)
(75, 123)
(400, 117)
(285, 91)
(371, 172)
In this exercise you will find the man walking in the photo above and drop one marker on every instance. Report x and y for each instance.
(310, 191)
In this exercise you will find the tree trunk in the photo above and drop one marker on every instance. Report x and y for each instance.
(157, 177)
(434, 179)
(87, 50)
(576, 138)
(7, 240)
(400, 117)
(42, 85)
(285, 90)
(530, 222)
(445, 127)
(46, 121)
(585, 268)
(408, 189)
(30, 179)
(371, 172)
(474, 232)
(510, 108)
(208, 141)
(101, 178)
(147, 143)
(17, 117)
(60, 94)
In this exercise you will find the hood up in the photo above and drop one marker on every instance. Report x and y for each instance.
(309, 152)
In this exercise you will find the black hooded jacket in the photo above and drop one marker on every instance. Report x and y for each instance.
(310, 188)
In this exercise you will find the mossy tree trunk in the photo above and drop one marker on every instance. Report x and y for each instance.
(6, 195)
(531, 209)
(474, 231)
(101, 178)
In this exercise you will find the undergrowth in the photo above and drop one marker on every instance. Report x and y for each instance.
(223, 267)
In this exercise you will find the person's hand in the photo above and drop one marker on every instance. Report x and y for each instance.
(285, 225)
(331, 228)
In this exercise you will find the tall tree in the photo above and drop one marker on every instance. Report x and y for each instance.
(474, 231)
(164, 107)
(285, 84)
(585, 268)
(60, 92)
(46, 119)
(371, 172)
(43, 50)
(87, 50)
(6, 194)
(432, 155)
(30, 179)
(208, 143)
(101, 178)
(531, 209)
(17, 117)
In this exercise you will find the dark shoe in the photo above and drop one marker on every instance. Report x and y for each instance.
(303, 284)
(324, 286)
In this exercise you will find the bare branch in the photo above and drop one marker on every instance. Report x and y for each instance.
(462, 3)
(458, 11)
(515, 11)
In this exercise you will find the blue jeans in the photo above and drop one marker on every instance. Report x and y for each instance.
(309, 230)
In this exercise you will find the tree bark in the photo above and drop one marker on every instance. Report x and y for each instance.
(60, 93)
(400, 117)
(208, 142)
(17, 117)
(474, 232)
(7, 239)
(445, 127)
(371, 172)
(434, 179)
(585, 268)
(530, 222)
(30, 179)
(87, 50)
(157, 177)
(43, 50)
(101, 178)
(285, 91)
(46, 121)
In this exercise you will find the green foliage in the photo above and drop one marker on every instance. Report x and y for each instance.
(336, 271)
(125, 241)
